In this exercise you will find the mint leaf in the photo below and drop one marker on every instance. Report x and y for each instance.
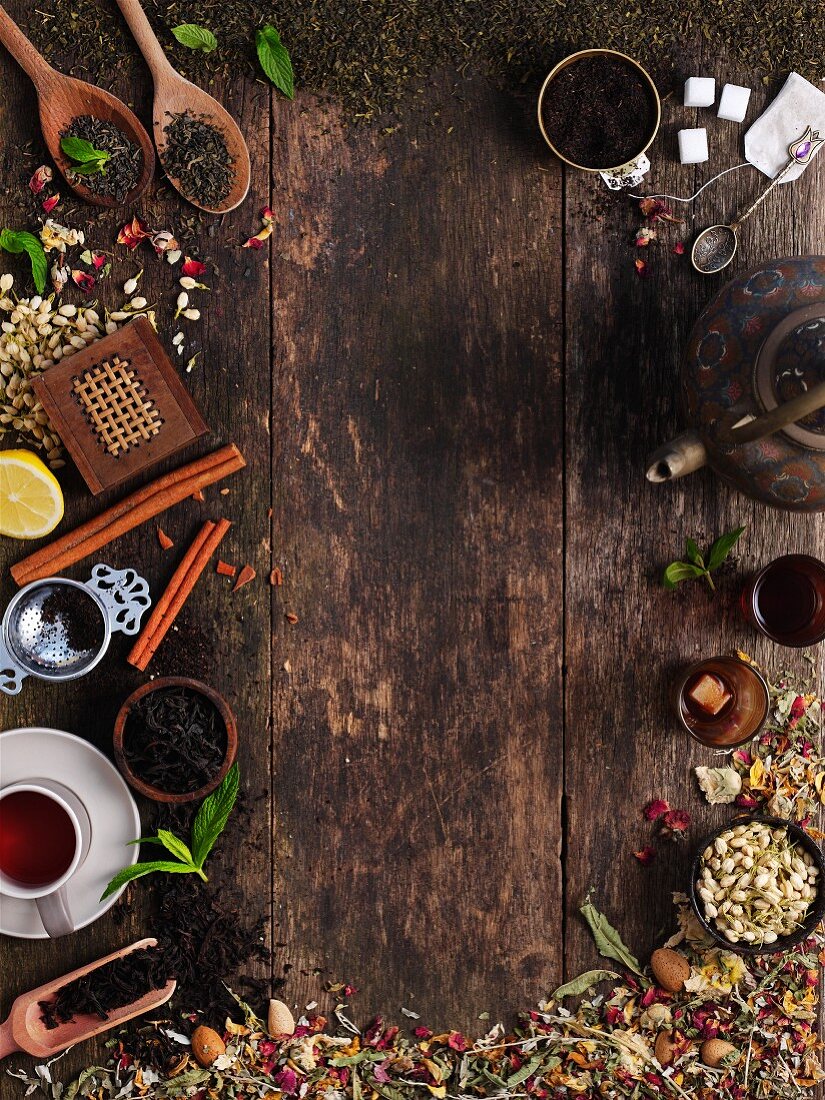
(138, 870)
(82, 151)
(19, 240)
(172, 844)
(212, 816)
(608, 941)
(275, 60)
(679, 571)
(723, 546)
(195, 37)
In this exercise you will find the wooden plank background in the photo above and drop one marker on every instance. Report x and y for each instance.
(445, 376)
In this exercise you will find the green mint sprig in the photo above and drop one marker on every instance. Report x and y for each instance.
(699, 565)
(19, 240)
(275, 60)
(208, 825)
(88, 161)
(195, 37)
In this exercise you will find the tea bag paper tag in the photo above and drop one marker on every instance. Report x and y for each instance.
(798, 105)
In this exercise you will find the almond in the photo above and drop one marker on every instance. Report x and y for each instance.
(207, 1045)
(279, 1019)
(712, 1051)
(670, 969)
(664, 1048)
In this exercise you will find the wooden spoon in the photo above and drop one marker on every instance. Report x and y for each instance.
(25, 1030)
(175, 95)
(61, 99)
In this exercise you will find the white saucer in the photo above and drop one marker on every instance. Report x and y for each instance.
(51, 754)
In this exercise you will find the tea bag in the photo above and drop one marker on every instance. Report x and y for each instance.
(798, 105)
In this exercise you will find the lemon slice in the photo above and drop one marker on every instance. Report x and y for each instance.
(31, 502)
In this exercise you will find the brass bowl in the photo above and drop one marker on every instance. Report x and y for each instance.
(569, 60)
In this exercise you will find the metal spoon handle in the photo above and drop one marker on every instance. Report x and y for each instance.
(800, 152)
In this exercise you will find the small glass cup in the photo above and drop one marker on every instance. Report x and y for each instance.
(743, 696)
(785, 601)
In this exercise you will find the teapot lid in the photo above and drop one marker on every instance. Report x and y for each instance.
(754, 346)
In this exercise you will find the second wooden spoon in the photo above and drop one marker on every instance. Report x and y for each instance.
(175, 95)
(61, 99)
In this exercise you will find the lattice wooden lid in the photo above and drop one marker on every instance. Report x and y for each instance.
(119, 406)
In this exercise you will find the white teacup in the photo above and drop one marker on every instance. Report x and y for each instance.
(50, 897)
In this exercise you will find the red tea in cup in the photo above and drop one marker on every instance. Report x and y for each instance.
(37, 838)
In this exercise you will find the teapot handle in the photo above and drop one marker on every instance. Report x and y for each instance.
(752, 428)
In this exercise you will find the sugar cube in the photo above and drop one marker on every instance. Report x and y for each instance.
(700, 91)
(693, 146)
(733, 103)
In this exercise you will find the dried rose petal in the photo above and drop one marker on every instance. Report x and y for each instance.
(676, 820)
(41, 177)
(193, 267)
(84, 280)
(655, 809)
(50, 203)
(133, 232)
(646, 855)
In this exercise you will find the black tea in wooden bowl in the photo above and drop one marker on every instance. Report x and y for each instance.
(599, 111)
(107, 988)
(196, 154)
(122, 169)
(175, 739)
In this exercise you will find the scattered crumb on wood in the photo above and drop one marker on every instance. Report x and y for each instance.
(246, 575)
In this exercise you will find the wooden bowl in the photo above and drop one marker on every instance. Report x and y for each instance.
(155, 793)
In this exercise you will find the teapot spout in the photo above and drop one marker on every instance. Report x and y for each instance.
(681, 456)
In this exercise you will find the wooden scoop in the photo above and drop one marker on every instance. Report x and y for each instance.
(25, 1030)
(61, 99)
(175, 95)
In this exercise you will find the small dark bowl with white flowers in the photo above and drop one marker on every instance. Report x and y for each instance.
(808, 921)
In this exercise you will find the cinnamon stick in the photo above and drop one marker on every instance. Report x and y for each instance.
(178, 591)
(160, 608)
(128, 513)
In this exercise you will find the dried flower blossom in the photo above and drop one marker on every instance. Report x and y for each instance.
(268, 218)
(41, 177)
(193, 268)
(720, 785)
(655, 809)
(57, 238)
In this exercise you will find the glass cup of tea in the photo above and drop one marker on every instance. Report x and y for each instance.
(45, 835)
(785, 601)
(721, 701)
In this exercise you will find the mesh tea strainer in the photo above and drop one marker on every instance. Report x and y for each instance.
(57, 629)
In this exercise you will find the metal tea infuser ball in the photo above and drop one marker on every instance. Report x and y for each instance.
(716, 246)
(35, 643)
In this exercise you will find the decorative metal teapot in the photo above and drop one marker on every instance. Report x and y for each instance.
(753, 381)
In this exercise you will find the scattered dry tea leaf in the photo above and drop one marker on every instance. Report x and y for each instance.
(246, 575)
(165, 542)
(225, 569)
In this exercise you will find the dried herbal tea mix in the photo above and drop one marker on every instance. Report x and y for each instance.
(599, 112)
(112, 986)
(197, 156)
(175, 739)
(119, 173)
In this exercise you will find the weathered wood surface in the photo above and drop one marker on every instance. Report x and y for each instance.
(446, 384)
(625, 634)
